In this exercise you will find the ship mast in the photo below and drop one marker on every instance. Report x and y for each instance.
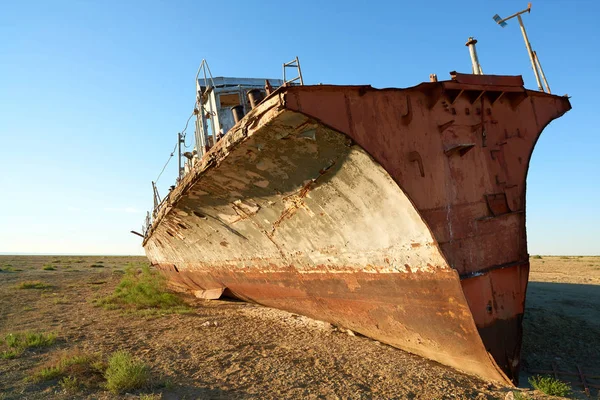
(535, 62)
(474, 59)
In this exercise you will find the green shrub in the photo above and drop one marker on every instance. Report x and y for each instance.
(550, 385)
(126, 373)
(48, 267)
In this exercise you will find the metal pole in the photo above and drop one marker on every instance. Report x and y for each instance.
(284, 74)
(210, 108)
(179, 155)
(531, 55)
(537, 60)
(299, 71)
(474, 59)
(156, 201)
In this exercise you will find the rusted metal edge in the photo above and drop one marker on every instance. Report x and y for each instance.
(216, 154)
(500, 80)
(492, 268)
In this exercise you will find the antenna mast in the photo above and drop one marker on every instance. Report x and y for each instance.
(535, 62)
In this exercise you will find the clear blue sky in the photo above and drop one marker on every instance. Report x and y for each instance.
(92, 95)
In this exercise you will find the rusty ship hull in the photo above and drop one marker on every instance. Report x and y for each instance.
(397, 213)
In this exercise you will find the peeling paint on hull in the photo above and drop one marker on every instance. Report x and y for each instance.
(396, 213)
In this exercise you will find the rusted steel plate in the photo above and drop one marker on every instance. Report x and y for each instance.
(497, 301)
(495, 80)
(422, 313)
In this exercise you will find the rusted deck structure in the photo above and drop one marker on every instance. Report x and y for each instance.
(397, 213)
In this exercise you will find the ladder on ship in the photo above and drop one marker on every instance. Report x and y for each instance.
(295, 63)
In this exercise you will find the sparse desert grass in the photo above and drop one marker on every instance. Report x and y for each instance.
(519, 396)
(150, 396)
(28, 340)
(69, 384)
(73, 368)
(10, 354)
(56, 261)
(48, 267)
(8, 268)
(61, 300)
(125, 373)
(550, 385)
(16, 343)
(143, 289)
(33, 285)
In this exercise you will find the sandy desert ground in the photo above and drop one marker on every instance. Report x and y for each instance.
(227, 349)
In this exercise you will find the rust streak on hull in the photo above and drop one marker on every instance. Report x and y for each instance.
(422, 313)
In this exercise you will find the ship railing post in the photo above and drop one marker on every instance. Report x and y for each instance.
(299, 71)
(284, 80)
(209, 85)
(157, 200)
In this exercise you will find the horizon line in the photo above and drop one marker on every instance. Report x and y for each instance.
(2, 253)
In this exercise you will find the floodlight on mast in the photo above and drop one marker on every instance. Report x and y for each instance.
(535, 62)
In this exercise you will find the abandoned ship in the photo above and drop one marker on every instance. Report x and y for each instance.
(396, 213)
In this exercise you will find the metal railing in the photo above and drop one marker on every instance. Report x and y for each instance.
(295, 63)
(202, 136)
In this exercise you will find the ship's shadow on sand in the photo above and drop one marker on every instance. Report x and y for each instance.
(192, 392)
(562, 326)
